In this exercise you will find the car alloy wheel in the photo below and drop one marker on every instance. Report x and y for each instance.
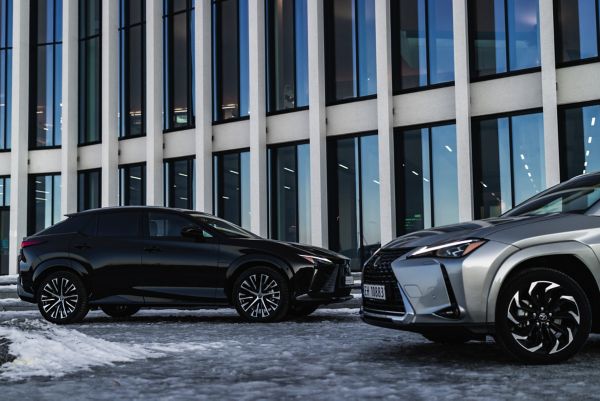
(62, 298)
(261, 295)
(542, 316)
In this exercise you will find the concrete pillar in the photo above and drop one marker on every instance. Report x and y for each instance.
(154, 104)
(385, 121)
(258, 120)
(549, 93)
(110, 94)
(20, 131)
(317, 123)
(203, 74)
(463, 109)
(70, 101)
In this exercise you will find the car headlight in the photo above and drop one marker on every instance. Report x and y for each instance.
(316, 259)
(456, 249)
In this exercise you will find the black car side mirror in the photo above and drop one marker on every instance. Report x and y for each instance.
(192, 232)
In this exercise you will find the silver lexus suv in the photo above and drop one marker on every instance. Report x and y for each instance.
(529, 278)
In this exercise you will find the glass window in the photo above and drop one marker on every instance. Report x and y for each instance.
(508, 162)
(504, 36)
(166, 224)
(422, 43)
(289, 189)
(577, 34)
(178, 64)
(132, 68)
(426, 177)
(353, 182)
(132, 185)
(5, 72)
(579, 134)
(124, 224)
(232, 191)
(4, 191)
(90, 24)
(46, 73)
(179, 183)
(287, 54)
(350, 56)
(44, 202)
(230, 59)
(89, 190)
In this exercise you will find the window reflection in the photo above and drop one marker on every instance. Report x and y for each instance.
(504, 36)
(132, 185)
(350, 59)
(179, 183)
(46, 73)
(353, 181)
(232, 187)
(132, 68)
(508, 164)
(289, 188)
(579, 140)
(5, 72)
(576, 30)
(44, 202)
(89, 190)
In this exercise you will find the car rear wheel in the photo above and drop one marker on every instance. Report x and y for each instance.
(118, 311)
(303, 309)
(260, 294)
(542, 316)
(62, 298)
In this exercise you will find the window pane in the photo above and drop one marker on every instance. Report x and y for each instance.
(132, 191)
(118, 225)
(444, 175)
(412, 46)
(369, 171)
(344, 38)
(245, 189)
(227, 60)
(284, 191)
(89, 190)
(523, 32)
(179, 179)
(528, 156)
(44, 202)
(281, 66)
(166, 224)
(441, 41)
(366, 47)
(577, 29)
(232, 179)
(489, 30)
(301, 24)
(304, 226)
(244, 58)
(580, 140)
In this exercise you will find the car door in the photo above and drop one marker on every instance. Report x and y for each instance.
(177, 269)
(111, 244)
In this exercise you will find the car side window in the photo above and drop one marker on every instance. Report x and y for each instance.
(166, 225)
(118, 225)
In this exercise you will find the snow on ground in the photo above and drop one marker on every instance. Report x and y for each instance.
(9, 279)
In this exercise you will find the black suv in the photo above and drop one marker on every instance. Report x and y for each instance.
(122, 259)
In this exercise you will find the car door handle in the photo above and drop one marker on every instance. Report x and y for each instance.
(152, 249)
(82, 246)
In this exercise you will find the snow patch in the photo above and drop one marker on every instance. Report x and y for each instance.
(11, 279)
(43, 349)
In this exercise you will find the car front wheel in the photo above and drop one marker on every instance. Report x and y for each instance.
(260, 294)
(542, 316)
(62, 298)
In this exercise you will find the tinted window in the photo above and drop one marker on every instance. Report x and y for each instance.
(166, 224)
(70, 225)
(118, 225)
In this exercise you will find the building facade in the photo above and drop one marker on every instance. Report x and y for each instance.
(341, 123)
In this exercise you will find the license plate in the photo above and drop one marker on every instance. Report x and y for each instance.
(374, 291)
(349, 280)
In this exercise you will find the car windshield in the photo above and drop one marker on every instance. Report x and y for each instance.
(223, 226)
(563, 198)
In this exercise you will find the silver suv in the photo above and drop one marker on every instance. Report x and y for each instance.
(529, 278)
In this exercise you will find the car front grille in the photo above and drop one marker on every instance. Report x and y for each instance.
(379, 271)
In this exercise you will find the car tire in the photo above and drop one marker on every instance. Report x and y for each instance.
(62, 298)
(261, 294)
(302, 309)
(543, 316)
(120, 311)
(448, 338)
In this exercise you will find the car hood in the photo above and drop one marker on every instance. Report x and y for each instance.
(502, 229)
(283, 247)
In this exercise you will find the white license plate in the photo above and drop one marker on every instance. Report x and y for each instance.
(349, 280)
(374, 291)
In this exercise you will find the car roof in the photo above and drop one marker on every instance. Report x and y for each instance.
(134, 208)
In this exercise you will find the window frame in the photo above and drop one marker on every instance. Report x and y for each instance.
(557, 40)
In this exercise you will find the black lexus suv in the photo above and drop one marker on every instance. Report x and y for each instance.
(124, 258)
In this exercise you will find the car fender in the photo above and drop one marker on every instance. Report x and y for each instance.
(581, 251)
(257, 258)
(62, 263)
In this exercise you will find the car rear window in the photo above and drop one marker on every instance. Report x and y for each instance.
(72, 224)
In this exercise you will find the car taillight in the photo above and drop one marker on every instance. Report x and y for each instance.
(28, 243)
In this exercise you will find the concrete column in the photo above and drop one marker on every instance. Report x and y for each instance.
(110, 94)
(549, 93)
(317, 123)
(154, 104)
(385, 121)
(463, 110)
(203, 73)
(258, 120)
(70, 101)
(20, 130)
